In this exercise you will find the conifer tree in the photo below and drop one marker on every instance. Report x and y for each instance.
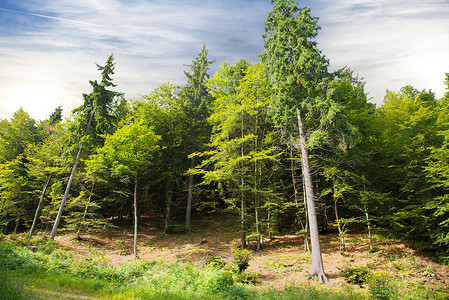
(299, 77)
(197, 110)
(94, 119)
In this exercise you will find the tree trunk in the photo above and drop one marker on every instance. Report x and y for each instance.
(317, 260)
(39, 207)
(337, 219)
(83, 219)
(69, 183)
(135, 218)
(306, 226)
(256, 186)
(167, 206)
(242, 193)
(189, 198)
(295, 191)
(16, 229)
(66, 193)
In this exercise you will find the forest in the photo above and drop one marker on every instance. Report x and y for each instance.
(284, 144)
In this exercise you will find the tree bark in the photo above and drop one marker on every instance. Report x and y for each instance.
(317, 260)
(16, 229)
(189, 198)
(337, 219)
(39, 207)
(295, 191)
(167, 206)
(242, 193)
(66, 193)
(135, 218)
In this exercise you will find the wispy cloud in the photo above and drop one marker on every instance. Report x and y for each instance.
(49, 47)
(390, 43)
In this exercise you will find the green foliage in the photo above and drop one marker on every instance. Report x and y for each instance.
(241, 258)
(382, 287)
(309, 292)
(11, 288)
(355, 275)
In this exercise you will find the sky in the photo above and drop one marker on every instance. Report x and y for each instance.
(48, 48)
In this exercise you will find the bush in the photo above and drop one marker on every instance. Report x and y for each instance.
(355, 275)
(212, 281)
(382, 287)
(241, 258)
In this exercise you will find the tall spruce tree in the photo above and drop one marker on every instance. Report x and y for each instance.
(197, 110)
(299, 77)
(95, 118)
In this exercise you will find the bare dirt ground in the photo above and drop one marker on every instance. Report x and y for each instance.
(281, 262)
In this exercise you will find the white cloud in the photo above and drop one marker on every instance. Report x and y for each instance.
(51, 59)
(389, 43)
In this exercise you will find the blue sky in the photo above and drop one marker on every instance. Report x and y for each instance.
(48, 48)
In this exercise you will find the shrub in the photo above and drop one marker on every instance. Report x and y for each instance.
(241, 258)
(212, 281)
(382, 287)
(217, 262)
(355, 275)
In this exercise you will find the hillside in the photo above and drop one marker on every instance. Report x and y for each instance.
(280, 264)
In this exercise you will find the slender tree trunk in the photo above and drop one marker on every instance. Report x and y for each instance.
(317, 260)
(189, 198)
(135, 218)
(86, 209)
(295, 191)
(256, 187)
(120, 215)
(242, 194)
(368, 224)
(69, 183)
(167, 206)
(39, 207)
(16, 229)
(66, 193)
(337, 219)
(269, 221)
(306, 227)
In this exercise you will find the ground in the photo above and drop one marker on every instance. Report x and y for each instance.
(281, 262)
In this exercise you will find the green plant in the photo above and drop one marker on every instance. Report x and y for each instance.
(382, 287)
(241, 258)
(247, 277)
(11, 288)
(217, 262)
(355, 275)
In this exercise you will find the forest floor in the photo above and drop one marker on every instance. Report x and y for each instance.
(282, 261)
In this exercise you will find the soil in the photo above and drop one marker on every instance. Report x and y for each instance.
(281, 262)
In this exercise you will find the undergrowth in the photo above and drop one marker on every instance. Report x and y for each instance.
(141, 279)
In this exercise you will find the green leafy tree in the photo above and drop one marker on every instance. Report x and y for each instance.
(47, 161)
(437, 171)
(407, 124)
(238, 152)
(128, 154)
(15, 185)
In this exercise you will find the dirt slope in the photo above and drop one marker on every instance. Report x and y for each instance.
(281, 262)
